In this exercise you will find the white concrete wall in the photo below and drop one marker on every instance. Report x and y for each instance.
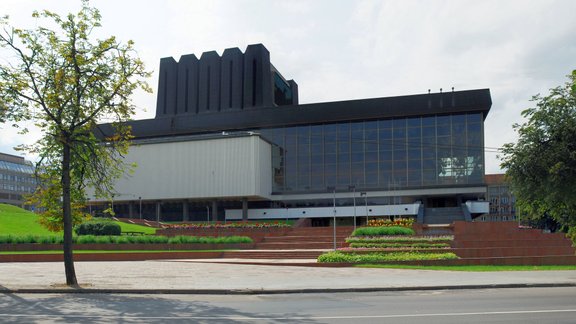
(220, 168)
(478, 207)
(347, 211)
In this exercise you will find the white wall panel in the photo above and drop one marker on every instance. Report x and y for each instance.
(231, 167)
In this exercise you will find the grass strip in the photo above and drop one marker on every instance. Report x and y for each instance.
(473, 268)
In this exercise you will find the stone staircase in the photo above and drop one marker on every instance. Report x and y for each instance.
(444, 215)
(298, 243)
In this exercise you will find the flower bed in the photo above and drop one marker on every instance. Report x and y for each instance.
(382, 222)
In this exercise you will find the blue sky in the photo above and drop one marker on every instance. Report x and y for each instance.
(341, 50)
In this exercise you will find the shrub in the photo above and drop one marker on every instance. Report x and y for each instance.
(400, 245)
(98, 227)
(380, 231)
(572, 235)
(339, 257)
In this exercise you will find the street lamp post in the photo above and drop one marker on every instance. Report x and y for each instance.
(353, 188)
(366, 204)
(333, 189)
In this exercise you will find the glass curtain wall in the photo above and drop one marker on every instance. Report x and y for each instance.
(386, 154)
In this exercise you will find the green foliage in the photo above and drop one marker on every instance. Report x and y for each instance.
(541, 166)
(114, 239)
(339, 257)
(98, 227)
(379, 231)
(43, 239)
(400, 245)
(402, 239)
(572, 234)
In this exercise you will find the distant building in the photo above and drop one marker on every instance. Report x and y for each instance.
(16, 179)
(230, 141)
(500, 198)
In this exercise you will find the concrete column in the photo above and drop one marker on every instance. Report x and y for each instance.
(158, 210)
(214, 211)
(131, 209)
(244, 209)
(185, 211)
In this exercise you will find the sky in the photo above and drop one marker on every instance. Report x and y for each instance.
(343, 49)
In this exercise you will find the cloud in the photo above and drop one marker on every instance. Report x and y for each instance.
(341, 50)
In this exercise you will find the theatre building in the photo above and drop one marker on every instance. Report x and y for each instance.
(230, 141)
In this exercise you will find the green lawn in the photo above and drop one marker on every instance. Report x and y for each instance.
(476, 268)
(17, 221)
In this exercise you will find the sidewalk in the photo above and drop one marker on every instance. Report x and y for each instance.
(203, 276)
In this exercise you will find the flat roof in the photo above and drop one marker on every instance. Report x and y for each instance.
(328, 112)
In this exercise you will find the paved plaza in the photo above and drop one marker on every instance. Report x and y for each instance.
(204, 276)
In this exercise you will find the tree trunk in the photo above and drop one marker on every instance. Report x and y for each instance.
(67, 215)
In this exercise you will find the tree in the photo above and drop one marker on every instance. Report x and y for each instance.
(65, 81)
(541, 166)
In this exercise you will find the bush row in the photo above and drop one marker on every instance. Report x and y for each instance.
(380, 231)
(409, 239)
(400, 245)
(339, 257)
(97, 239)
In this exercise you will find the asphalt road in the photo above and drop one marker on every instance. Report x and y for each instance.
(521, 305)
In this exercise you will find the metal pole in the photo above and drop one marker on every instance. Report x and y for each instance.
(354, 202)
(365, 194)
(334, 215)
(334, 203)
(207, 214)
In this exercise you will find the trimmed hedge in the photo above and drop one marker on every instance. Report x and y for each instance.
(98, 228)
(400, 245)
(381, 231)
(148, 239)
(339, 257)
(402, 239)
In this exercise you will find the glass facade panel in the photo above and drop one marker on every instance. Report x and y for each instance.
(402, 152)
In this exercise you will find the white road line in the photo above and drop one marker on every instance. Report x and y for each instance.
(245, 318)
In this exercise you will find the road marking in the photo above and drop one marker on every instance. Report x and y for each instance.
(65, 316)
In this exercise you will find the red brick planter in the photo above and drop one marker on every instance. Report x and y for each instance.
(110, 256)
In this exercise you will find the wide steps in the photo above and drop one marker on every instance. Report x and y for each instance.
(272, 254)
(299, 245)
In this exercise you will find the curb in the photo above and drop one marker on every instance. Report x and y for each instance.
(269, 291)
